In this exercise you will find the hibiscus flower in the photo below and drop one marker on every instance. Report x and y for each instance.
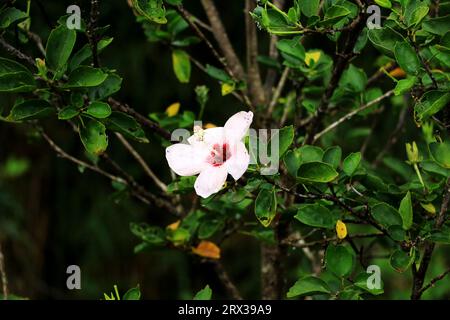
(213, 154)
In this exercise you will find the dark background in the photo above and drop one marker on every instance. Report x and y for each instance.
(53, 216)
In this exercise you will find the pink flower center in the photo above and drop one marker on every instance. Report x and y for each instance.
(219, 154)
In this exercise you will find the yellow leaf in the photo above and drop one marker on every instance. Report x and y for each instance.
(173, 109)
(429, 208)
(397, 73)
(312, 56)
(227, 88)
(174, 226)
(210, 125)
(207, 249)
(341, 229)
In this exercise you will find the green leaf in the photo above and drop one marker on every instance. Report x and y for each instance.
(286, 137)
(59, 47)
(218, 74)
(85, 76)
(353, 79)
(99, 110)
(126, 125)
(86, 52)
(334, 14)
(14, 77)
(440, 152)
(406, 211)
(439, 25)
(204, 294)
(108, 87)
(431, 103)
(351, 163)
(29, 110)
(68, 113)
(316, 172)
(386, 215)
(316, 215)
(292, 51)
(11, 15)
(384, 3)
(406, 57)
(340, 260)
(292, 162)
(309, 7)
(308, 286)
(17, 82)
(442, 236)
(209, 227)
(361, 282)
(385, 40)
(310, 154)
(333, 156)
(152, 10)
(401, 260)
(152, 235)
(93, 135)
(416, 16)
(132, 294)
(181, 65)
(404, 85)
(266, 206)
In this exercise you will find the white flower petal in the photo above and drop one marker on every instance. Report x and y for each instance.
(214, 135)
(185, 160)
(237, 126)
(238, 163)
(210, 180)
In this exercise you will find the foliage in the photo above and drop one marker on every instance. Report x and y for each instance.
(364, 146)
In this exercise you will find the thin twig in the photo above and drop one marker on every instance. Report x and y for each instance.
(141, 162)
(393, 137)
(253, 75)
(349, 115)
(61, 153)
(188, 17)
(15, 52)
(278, 90)
(322, 242)
(117, 105)
(419, 274)
(434, 280)
(91, 32)
(222, 39)
(3, 275)
(343, 59)
(226, 281)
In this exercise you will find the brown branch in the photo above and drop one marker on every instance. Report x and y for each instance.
(4, 278)
(322, 242)
(61, 153)
(419, 274)
(116, 105)
(189, 19)
(222, 39)
(278, 90)
(15, 52)
(434, 280)
(91, 32)
(349, 115)
(253, 75)
(226, 281)
(161, 185)
(273, 53)
(140, 192)
(344, 57)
